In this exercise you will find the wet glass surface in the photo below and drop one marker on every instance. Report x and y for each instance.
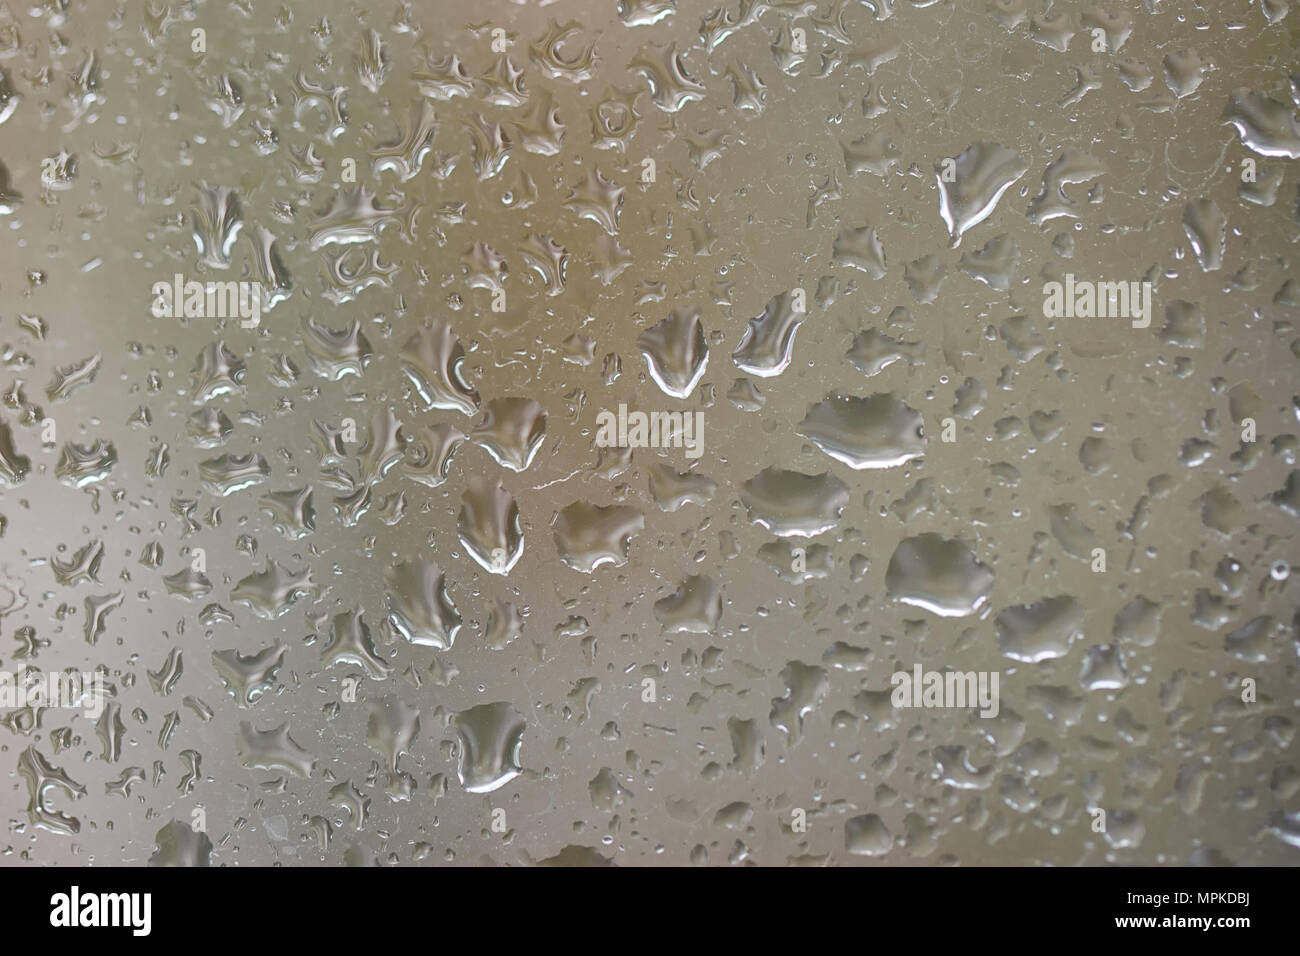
(649, 433)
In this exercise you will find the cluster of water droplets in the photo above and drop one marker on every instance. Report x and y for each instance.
(364, 586)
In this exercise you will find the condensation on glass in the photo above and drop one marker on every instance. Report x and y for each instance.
(648, 433)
